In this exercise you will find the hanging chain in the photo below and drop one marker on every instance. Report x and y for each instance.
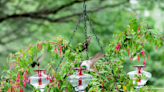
(85, 28)
(99, 43)
(71, 39)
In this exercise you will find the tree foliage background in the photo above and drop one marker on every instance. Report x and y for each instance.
(23, 22)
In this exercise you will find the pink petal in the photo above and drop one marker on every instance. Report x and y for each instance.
(39, 46)
(147, 56)
(147, 25)
(138, 58)
(144, 61)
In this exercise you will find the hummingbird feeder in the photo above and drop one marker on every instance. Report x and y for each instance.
(80, 80)
(139, 75)
(40, 80)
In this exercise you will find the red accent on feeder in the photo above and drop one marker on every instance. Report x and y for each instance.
(39, 74)
(80, 82)
(40, 81)
(80, 73)
(139, 70)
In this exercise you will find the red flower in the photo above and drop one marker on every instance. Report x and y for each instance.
(147, 56)
(131, 58)
(147, 25)
(138, 30)
(9, 65)
(144, 61)
(21, 90)
(117, 47)
(58, 84)
(155, 47)
(25, 79)
(11, 89)
(15, 63)
(39, 46)
(17, 80)
(143, 53)
(56, 49)
(24, 82)
(24, 75)
(138, 58)
(60, 52)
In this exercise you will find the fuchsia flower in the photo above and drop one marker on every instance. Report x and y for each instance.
(9, 65)
(21, 90)
(24, 82)
(46, 77)
(25, 79)
(138, 58)
(147, 25)
(63, 46)
(7, 60)
(117, 47)
(137, 29)
(155, 47)
(131, 58)
(56, 49)
(58, 84)
(39, 46)
(144, 61)
(128, 51)
(60, 52)
(143, 53)
(15, 63)
(11, 89)
(17, 80)
(147, 56)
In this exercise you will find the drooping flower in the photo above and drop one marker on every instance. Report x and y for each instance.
(11, 89)
(143, 53)
(117, 47)
(18, 80)
(58, 84)
(147, 25)
(147, 56)
(24, 78)
(24, 82)
(24, 75)
(56, 49)
(21, 90)
(39, 46)
(137, 29)
(15, 63)
(131, 58)
(60, 52)
(9, 65)
(144, 61)
(155, 47)
(138, 58)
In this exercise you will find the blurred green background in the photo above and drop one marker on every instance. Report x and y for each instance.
(25, 22)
